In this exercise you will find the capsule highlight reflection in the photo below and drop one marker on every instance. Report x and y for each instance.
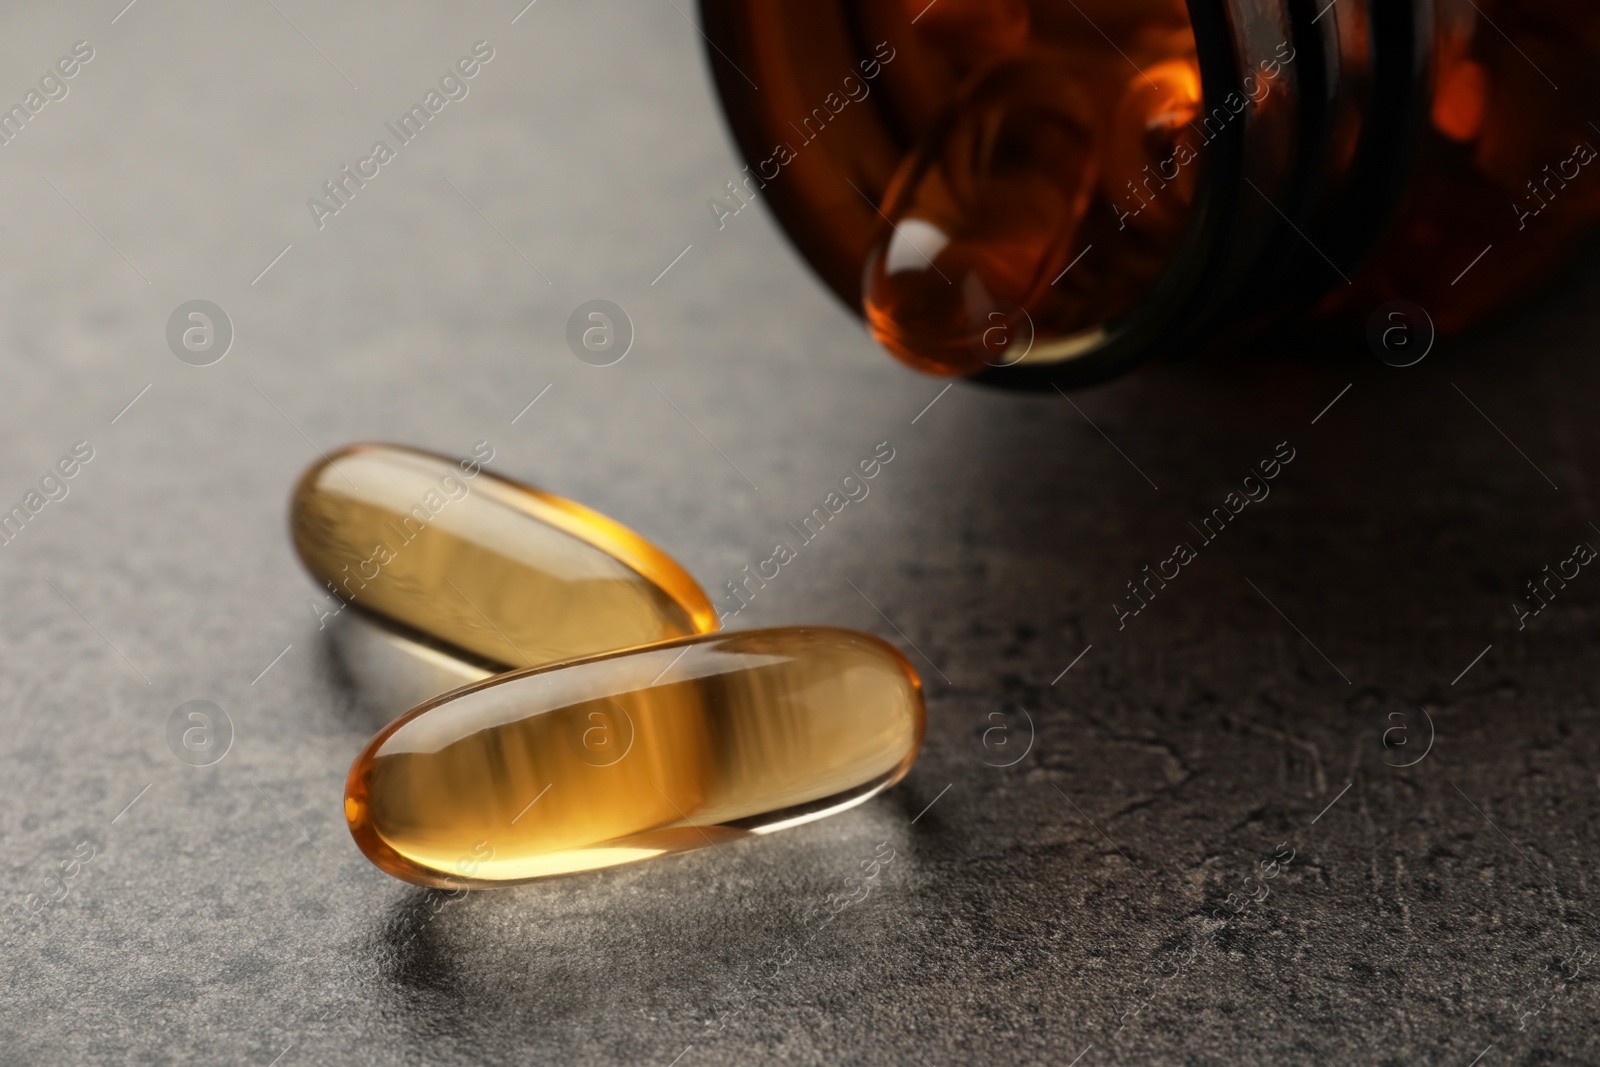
(634, 754)
(512, 575)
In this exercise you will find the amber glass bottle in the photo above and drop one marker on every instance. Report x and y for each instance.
(1031, 192)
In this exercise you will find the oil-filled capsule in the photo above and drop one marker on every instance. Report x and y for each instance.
(634, 754)
(510, 574)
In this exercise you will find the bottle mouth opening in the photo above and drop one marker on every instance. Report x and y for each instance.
(1053, 158)
(991, 183)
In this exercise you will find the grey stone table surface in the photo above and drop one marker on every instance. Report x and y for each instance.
(1072, 849)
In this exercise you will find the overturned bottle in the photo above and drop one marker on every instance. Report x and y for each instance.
(634, 754)
(1039, 193)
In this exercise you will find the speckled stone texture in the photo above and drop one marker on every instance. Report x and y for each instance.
(1068, 841)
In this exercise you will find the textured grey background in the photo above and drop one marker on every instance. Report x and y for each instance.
(1432, 914)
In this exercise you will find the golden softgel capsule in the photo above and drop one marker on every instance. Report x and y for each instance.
(513, 575)
(634, 754)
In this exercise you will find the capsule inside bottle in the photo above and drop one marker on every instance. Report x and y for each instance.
(508, 574)
(634, 754)
(1052, 190)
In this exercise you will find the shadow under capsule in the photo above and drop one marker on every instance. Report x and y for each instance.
(566, 960)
